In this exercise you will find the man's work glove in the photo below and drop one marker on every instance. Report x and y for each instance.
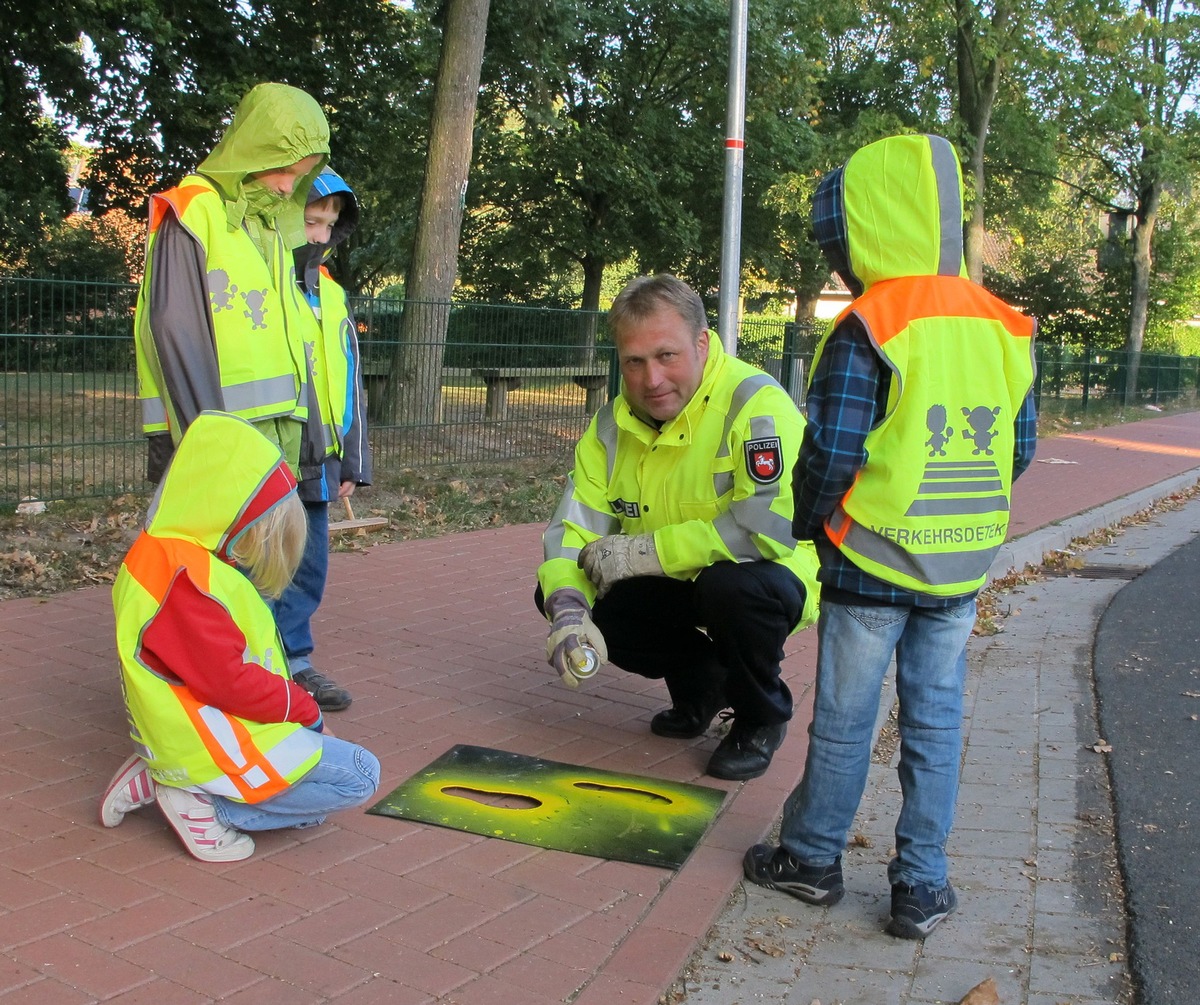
(608, 560)
(571, 629)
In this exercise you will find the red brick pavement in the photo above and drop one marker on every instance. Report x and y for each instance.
(440, 643)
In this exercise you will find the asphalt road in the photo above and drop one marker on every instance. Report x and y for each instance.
(1147, 667)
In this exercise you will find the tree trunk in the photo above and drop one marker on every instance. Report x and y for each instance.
(414, 388)
(806, 305)
(977, 88)
(593, 276)
(1145, 218)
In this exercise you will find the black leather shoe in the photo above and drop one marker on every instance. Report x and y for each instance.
(746, 751)
(681, 723)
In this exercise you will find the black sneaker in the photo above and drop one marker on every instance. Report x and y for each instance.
(917, 910)
(777, 869)
(746, 751)
(328, 695)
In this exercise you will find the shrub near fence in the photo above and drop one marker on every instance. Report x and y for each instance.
(516, 382)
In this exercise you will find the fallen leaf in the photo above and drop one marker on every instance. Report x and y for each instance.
(984, 993)
(725, 956)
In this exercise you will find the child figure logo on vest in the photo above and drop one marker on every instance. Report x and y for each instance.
(982, 420)
(935, 422)
(256, 310)
(220, 291)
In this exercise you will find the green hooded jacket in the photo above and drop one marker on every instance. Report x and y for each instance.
(179, 374)
(274, 126)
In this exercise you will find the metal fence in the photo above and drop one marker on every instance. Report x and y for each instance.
(508, 382)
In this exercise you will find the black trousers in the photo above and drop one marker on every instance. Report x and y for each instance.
(724, 630)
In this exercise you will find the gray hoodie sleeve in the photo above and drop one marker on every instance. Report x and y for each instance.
(181, 323)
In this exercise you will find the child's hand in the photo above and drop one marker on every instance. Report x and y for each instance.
(325, 730)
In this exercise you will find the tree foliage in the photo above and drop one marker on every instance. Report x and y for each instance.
(598, 140)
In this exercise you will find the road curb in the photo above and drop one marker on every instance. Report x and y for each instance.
(1030, 549)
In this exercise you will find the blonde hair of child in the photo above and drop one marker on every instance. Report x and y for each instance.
(271, 548)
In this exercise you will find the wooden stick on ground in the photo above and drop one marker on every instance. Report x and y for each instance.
(353, 523)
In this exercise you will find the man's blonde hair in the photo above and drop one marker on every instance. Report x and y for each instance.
(271, 548)
(645, 295)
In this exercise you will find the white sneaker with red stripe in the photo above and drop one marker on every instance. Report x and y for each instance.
(131, 788)
(192, 817)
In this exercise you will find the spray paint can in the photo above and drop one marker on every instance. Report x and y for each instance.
(591, 663)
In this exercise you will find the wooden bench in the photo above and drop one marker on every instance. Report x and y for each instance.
(499, 380)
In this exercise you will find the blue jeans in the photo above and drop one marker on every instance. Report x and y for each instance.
(294, 610)
(854, 647)
(346, 776)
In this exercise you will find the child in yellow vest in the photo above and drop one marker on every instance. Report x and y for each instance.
(335, 457)
(225, 741)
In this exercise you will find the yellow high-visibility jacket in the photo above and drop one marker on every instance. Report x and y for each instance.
(712, 485)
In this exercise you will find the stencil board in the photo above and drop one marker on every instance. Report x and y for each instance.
(589, 811)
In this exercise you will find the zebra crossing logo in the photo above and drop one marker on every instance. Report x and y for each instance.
(960, 487)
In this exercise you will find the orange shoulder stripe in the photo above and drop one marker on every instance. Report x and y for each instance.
(177, 199)
(154, 561)
(889, 307)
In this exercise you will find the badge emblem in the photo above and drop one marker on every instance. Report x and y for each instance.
(764, 460)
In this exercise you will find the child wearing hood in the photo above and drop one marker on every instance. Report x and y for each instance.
(225, 741)
(218, 317)
(920, 416)
(335, 456)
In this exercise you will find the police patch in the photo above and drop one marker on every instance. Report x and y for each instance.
(764, 459)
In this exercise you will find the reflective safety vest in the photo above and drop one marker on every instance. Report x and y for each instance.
(256, 312)
(930, 508)
(184, 741)
(328, 343)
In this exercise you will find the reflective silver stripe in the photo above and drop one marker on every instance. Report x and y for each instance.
(958, 506)
(285, 757)
(154, 412)
(936, 569)
(222, 785)
(293, 750)
(722, 482)
(572, 510)
(960, 469)
(256, 778)
(267, 392)
(950, 208)
(753, 516)
(945, 488)
(221, 731)
(739, 538)
(741, 396)
(606, 434)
